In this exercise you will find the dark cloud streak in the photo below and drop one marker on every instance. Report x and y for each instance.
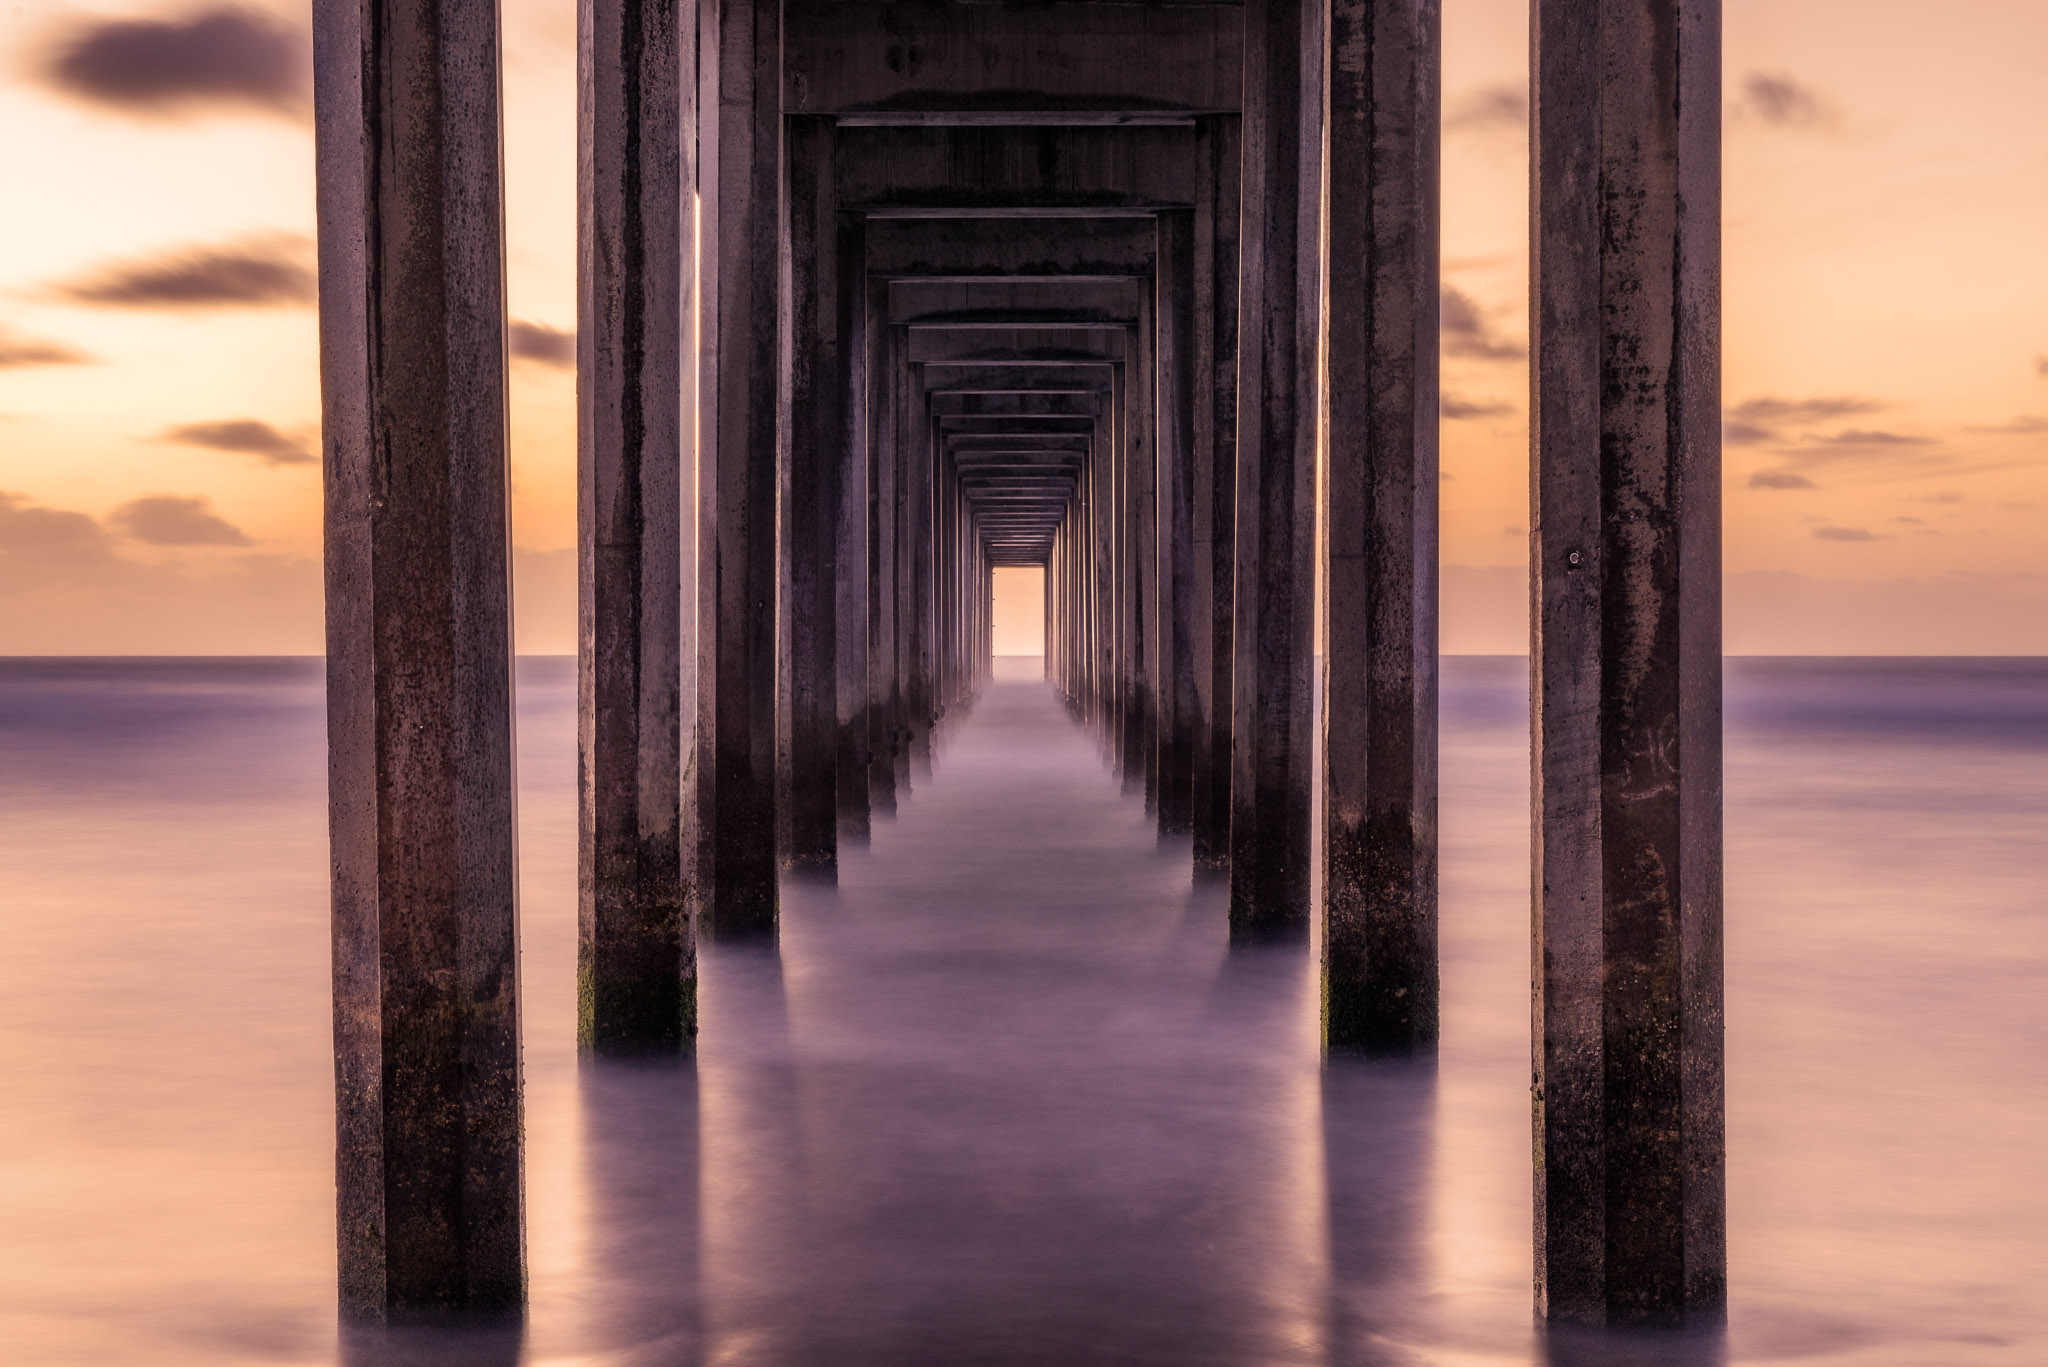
(247, 436)
(1489, 108)
(1466, 331)
(258, 275)
(157, 68)
(1777, 100)
(542, 344)
(168, 520)
(17, 351)
(1458, 408)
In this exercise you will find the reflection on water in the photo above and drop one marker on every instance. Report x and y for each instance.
(1004, 1096)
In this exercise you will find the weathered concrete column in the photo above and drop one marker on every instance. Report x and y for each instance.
(918, 537)
(851, 567)
(1630, 1213)
(1274, 596)
(740, 353)
(1141, 733)
(884, 364)
(636, 959)
(419, 658)
(1102, 482)
(1379, 690)
(903, 425)
(1176, 709)
(810, 515)
(1217, 212)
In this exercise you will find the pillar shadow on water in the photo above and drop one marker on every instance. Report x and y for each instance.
(641, 1165)
(1585, 1346)
(453, 1342)
(750, 1151)
(1378, 1130)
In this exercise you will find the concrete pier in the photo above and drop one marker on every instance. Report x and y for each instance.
(740, 410)
(637, 964)
(810, 524)
(1630, 1205)
(1176, 709)
(1273, 596)
(852, 555)
(1214, 457)
(419, 660)
(1380, 639)
(1131, 293)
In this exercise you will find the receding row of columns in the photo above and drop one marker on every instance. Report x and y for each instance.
(854, 331)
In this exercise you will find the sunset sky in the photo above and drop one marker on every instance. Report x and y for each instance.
(1886, 308)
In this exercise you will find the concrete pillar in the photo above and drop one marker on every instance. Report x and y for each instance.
(1630, 1214)
(419, 658)
(1102, 482)
(740, 355)
(918, 697)
(1278, 382)
(1217, 210)
(636, 960)
(1379, 690)
(1176, 708)
(851, 567)
(810, 516)
(903, 425)
(885, 349)
(1141, 389)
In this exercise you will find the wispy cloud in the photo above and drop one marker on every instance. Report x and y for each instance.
(1467, 332)
(1458, 408)
(18, 351)
(1833, 533)
(1779, 479)
(1858, 436)
(2026, 424)
(1781, 101)
(1772, 411)
(53, 538)
(542, 344)
(169, 520)
(1488, 108)
(2041, 366)
(247, 436)
(159, 68)
(253, 275)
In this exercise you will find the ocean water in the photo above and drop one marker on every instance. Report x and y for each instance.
(1004, 1096)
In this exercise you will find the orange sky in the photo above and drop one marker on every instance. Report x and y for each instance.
(1886, 333)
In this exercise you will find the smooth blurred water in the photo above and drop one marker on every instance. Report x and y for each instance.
(1004, 1096)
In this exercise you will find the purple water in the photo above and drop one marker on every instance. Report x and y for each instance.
(1004, 1096)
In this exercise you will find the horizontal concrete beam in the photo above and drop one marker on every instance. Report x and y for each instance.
(959, 171)
(1070, 246)
(1034, 404)
(1016, 380)
(932, 59)
(1114, 299)
(1013, 424)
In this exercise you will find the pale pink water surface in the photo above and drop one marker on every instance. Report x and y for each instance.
(1005, 1096)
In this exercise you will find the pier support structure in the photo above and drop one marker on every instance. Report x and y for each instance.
(877, 296)
(636, 961)
(1380, 639)
(419, 659)
(1630, 1222)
